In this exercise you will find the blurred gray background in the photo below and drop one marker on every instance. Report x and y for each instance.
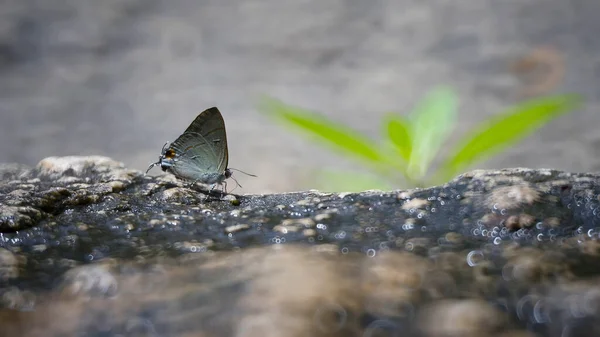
(121, 77)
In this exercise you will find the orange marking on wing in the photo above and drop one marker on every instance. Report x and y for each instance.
(170, 154)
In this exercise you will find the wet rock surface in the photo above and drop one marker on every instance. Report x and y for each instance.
(89, 247)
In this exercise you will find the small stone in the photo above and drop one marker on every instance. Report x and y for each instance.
(526, 220)
(285, 229)
(16, 299)
(90, 280)
(304, 202)
(304, 222)
(75, 166)
(8, 265)
(180, 194)
(322, 216)
(510, 197)
(39, 248)
(454, 238)
(17, 218)
(515, 222)
(552, 222)
(326, 248)
(116, 186)
(344, 194)
(155, 222)
(415, 203)
(236, 228)
(460, 318)
(404, 195)
(309, 232)
(512, 223)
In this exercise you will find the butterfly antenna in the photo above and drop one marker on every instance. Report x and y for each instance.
(158, 162)
(248, 174)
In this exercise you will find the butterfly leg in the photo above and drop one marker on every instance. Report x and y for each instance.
(224, 190)
(151, 166)
(190, 184)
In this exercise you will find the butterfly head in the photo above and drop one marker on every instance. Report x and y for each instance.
(166, 160)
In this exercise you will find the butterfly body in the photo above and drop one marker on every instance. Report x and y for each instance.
(200, 154)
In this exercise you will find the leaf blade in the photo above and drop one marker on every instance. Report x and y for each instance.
(399, 133)
(335, 134)
(499, 132)
(432, 120)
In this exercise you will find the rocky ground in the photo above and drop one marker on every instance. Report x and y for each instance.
(89, 247)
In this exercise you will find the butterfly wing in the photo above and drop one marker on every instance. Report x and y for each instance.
(210, 125)
(201, 151)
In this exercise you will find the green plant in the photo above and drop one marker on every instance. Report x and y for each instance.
(411, 143)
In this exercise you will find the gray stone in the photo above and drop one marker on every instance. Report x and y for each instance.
(113, 252)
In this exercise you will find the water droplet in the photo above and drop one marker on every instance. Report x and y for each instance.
(520, 308)
(381, 327)
(590, 233)
(331, 318)
(474, 257)
(540, 314)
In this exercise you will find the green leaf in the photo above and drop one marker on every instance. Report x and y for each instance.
(398, 132)
(340, 181)
(337, 135)
(431, 120)
(392, 163)
(501, 131)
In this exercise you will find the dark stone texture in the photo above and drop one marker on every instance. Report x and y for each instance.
(90, 247)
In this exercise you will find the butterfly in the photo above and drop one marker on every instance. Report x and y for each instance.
(200, 154)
